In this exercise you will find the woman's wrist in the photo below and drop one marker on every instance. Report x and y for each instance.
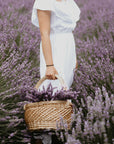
(49, 65)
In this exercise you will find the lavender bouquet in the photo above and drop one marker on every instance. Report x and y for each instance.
(32, 95)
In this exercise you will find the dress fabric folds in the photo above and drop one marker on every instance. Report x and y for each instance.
(64, 15)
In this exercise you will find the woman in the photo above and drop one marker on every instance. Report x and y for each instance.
(56, 20)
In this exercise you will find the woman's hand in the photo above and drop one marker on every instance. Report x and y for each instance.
(50, 72)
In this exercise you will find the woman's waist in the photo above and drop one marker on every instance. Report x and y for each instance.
(61, 36)
(61, 32)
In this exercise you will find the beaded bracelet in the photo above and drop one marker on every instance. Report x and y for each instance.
(50, 65)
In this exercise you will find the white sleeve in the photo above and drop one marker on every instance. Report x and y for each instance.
(42, 5)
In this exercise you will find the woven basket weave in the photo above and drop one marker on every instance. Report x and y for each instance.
(46, 114)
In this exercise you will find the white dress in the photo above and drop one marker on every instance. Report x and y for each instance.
(64, 15)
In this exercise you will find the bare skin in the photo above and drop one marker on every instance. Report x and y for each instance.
(44, 24)
(76, 65)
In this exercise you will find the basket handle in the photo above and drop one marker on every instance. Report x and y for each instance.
(44, 78)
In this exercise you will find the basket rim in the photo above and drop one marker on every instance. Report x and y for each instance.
(68, 101)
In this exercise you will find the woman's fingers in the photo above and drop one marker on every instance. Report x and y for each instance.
(50, 73)
(49, 76)
(53, 77)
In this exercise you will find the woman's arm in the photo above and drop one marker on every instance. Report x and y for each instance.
(44, 24)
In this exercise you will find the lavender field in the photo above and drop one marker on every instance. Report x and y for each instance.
(93, 87)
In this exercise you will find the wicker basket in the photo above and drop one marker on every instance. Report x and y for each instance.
(45, 114)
